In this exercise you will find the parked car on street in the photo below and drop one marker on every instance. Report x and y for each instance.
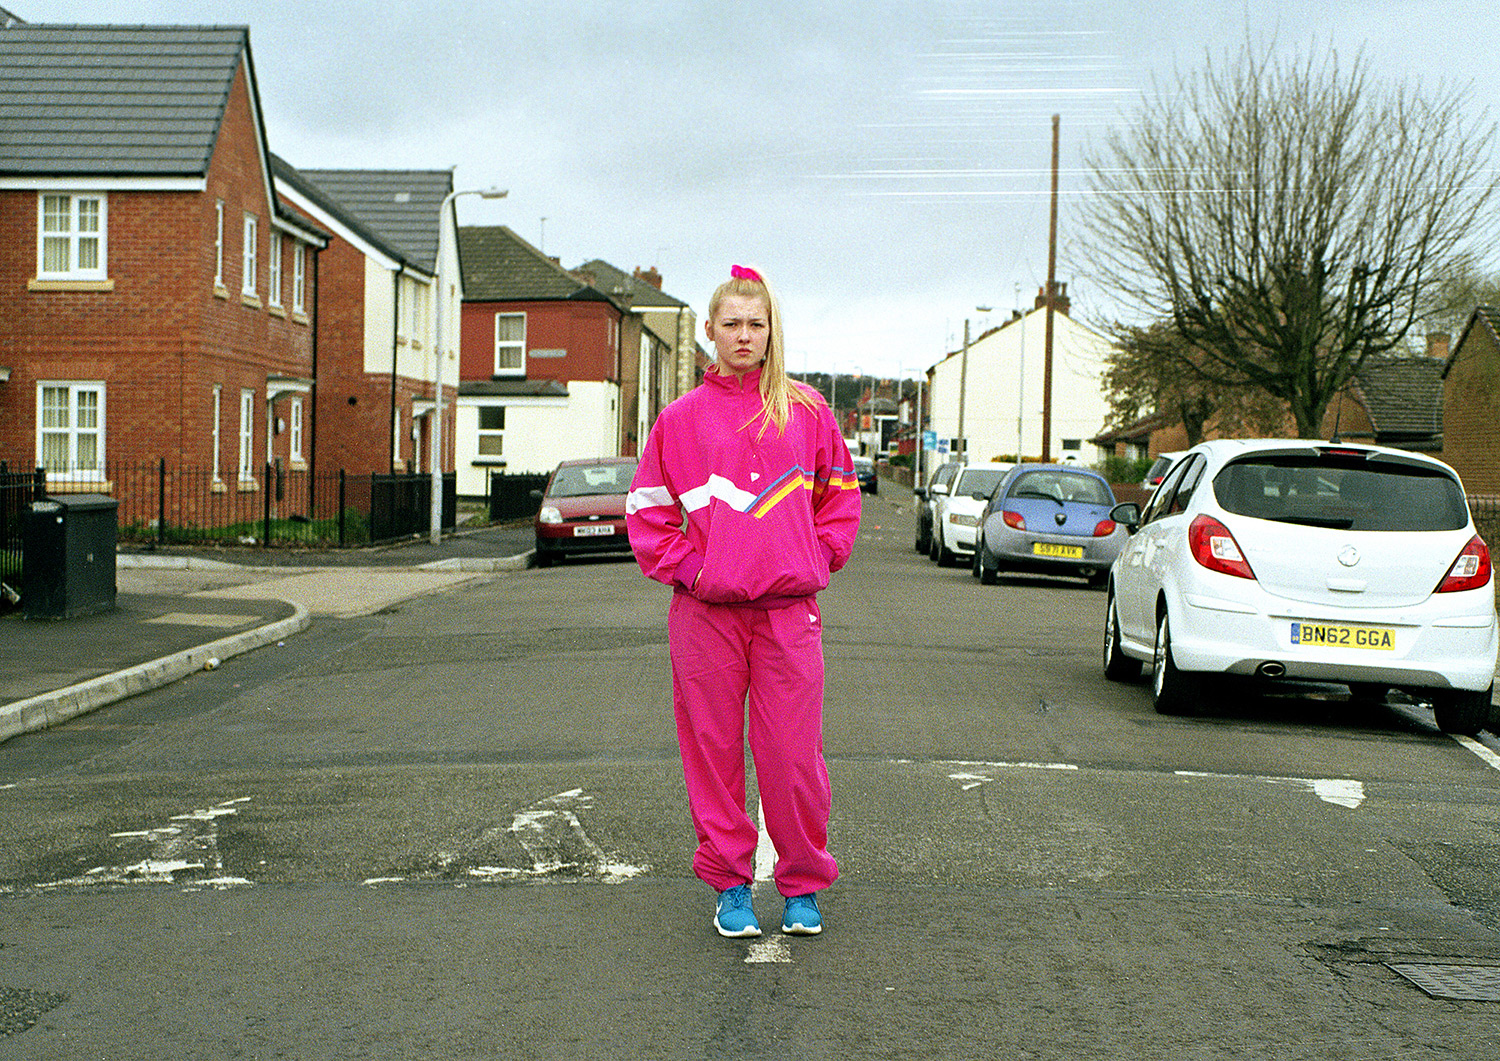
(864, 468)
(583, 509)
(924, 499)
(1049, 519)
(1291, 559)
(955, 515)
(1159, 469)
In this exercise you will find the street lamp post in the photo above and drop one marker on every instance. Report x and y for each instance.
(436, 510)
(963, 386)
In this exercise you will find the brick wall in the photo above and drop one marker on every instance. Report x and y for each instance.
(1471, 411)
(161, 337)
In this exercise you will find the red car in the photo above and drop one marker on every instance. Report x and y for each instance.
(583, 509)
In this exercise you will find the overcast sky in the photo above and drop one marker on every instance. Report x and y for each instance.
(885, 164)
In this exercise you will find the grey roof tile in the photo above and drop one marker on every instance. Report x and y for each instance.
(500, 266)
(1404, 395)
(132, 100)
(400, 206)
(615, 281)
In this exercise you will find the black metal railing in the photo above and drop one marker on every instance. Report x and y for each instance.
(18, 489)
(277, 505)
(510, 495)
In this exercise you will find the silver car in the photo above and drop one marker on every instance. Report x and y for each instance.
(1049, 519)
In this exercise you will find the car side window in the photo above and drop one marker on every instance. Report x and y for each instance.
(1161, 501)
(1187, 484)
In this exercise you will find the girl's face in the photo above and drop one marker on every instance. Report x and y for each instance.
(740, 331)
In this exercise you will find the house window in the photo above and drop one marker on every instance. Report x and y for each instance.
(219, 244)
(71, 237)
(247, 435)
(296, 439)
(273, 271)
(70, 429)
(218, 418)
(414, 314)
(1072, 445)
(299, 279)
(510, 344)
(247, 285)
(491, 430)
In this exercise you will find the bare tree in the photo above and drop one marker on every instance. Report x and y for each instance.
(1288, 219)
(1152, 370)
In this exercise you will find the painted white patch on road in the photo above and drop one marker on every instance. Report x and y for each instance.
(1480, 750)
(187, 842)
(769, 949)
(1340, 791)
(968, 781)
(551, 835)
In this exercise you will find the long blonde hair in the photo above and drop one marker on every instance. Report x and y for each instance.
(777, 390)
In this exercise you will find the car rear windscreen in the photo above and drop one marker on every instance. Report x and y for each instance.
(1343, 492)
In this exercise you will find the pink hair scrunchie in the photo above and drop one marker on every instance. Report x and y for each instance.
(741, 272)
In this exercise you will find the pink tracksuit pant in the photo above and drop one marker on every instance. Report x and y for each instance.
(723, 657)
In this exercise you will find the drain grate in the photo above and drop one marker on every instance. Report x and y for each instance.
(1465, 983)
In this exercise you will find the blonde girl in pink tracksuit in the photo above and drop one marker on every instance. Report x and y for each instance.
(745, 500)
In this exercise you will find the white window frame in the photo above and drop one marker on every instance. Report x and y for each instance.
(73, 234)
(483, 433)
(273, 271)
(294, 415)
(71, 430)
(246, 470)
(248, 257)
(299, 278)
(218, 420)
(219, 243)
(510, 346)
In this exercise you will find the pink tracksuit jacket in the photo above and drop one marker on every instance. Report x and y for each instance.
(769, 516)
(759, 519)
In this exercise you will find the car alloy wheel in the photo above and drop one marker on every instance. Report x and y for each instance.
(1172, 691)
(1118, 667)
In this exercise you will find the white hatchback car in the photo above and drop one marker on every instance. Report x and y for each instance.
(1325, 562)
(955, 517)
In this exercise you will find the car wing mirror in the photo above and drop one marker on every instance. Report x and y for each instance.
(940, 490)
(920, 493)
(1128, 513)
(536, 494)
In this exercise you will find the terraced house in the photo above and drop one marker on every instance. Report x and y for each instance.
(156, 298)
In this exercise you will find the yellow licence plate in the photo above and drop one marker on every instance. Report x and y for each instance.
(1336, 636)
(1067, 552)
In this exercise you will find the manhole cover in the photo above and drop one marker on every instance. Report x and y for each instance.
(1466, 983)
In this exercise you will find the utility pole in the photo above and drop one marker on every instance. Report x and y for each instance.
(1051, 287)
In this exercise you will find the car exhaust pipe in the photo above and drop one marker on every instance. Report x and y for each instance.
(1271, 669)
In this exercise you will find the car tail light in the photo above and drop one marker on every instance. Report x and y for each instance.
(1215, 548)
(1471, 570)
(1105, 528)
(1013, 519)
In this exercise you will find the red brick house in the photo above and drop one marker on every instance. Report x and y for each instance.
(539, 361)
(156, 300)
(1471, 403)
(376, 315)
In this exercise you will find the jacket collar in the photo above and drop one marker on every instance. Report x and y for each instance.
(730, 382)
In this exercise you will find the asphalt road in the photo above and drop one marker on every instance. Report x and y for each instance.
(457, 829)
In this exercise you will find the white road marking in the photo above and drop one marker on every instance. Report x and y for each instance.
(1340, 791)
(1480, 750)
(187, 842)
(771, 947)
(553, 838)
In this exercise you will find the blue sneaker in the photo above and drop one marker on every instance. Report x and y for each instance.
(802, 917)
(735, 917)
